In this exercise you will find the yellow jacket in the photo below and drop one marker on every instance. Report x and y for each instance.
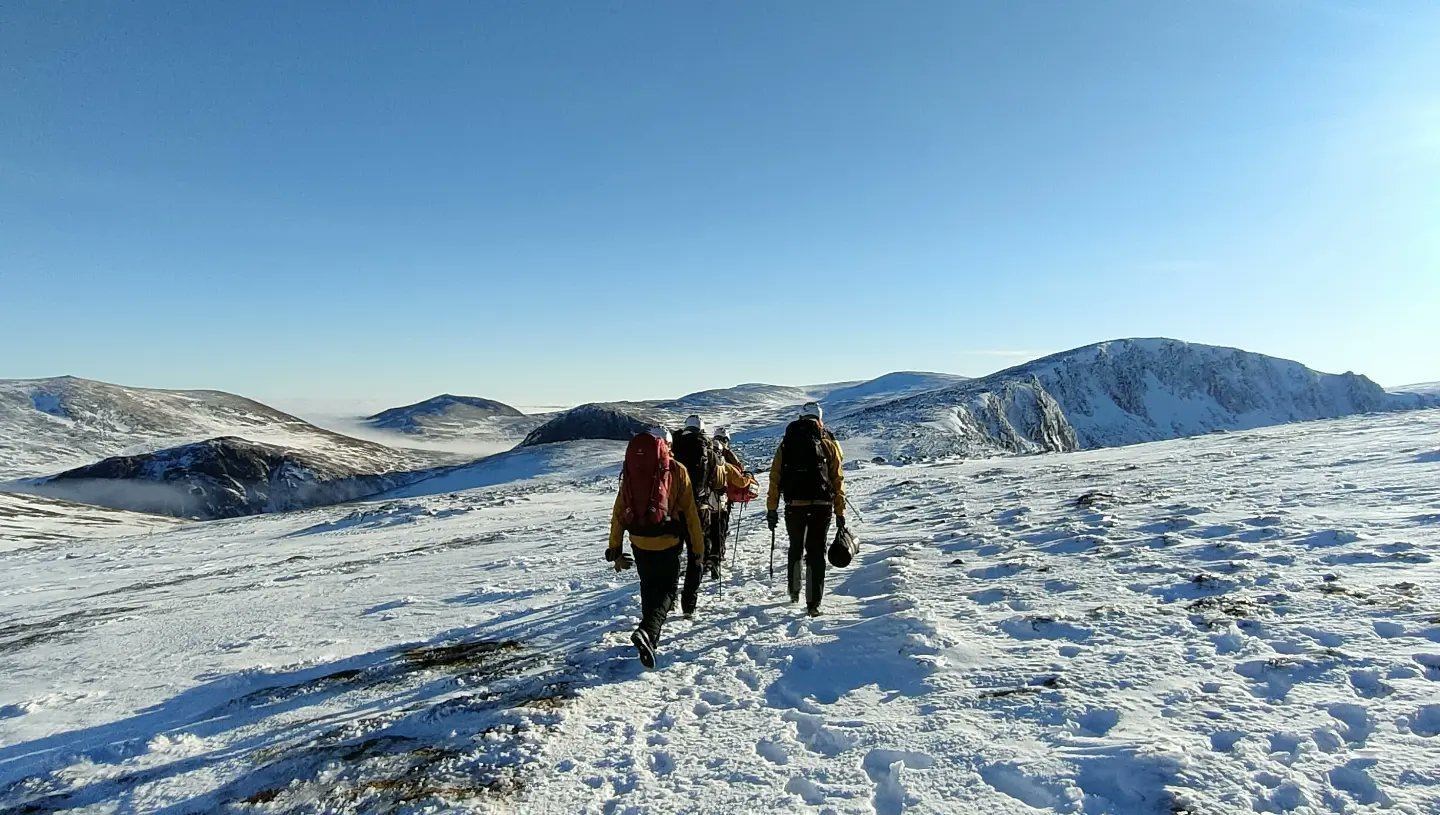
(682, 506)
(837, 479)
(736, 477)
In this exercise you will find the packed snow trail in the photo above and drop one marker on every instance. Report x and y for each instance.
(1235, 623)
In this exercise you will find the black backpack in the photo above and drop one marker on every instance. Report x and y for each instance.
(692, 449)
(804, 462)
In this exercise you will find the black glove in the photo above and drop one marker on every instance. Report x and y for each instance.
(840, 521)
(772, 519)
(621, 560)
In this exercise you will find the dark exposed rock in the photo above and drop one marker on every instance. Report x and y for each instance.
(219, 478)
(592, 421)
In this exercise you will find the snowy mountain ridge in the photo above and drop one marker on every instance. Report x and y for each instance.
(1112, 393)
(48, 425)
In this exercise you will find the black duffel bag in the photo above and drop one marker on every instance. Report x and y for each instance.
(843, 549)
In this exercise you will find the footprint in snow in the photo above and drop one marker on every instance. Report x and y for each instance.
(812, 732)
(1357, 725)
(662, 762)
(1368, 685)
(806, 789)
(1031, 627)
(1424, 722)
(1097, 721)
(771, 749)
(1431, 664)
(886, 770)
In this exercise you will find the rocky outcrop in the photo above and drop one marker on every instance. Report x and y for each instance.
(217, 478)
(593, 421)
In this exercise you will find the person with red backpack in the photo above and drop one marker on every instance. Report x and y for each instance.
(807, 472)
(656, 505)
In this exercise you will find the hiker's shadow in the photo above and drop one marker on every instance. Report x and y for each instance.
(430, 699)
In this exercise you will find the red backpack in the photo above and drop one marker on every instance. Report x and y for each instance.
(645, 485)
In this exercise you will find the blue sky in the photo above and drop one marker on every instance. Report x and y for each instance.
(548, 203)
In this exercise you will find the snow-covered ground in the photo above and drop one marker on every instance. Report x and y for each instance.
(1230, 623)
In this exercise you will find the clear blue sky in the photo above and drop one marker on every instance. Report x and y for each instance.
(546, 202)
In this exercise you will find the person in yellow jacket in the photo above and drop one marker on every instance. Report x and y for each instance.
(807, 472)
(657, 558)
(733, 475)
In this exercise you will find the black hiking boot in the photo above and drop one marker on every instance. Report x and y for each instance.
(644, 648)
(813, 611)
(794, 598)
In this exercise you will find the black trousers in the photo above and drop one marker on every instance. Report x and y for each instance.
(659, 576)
(809, 529)
(719, 528)
(694, 569)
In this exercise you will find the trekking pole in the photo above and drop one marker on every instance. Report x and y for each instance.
(739, 536)
(849, 507)
(772, 557)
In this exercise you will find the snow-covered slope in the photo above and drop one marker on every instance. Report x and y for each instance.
(456, 424)
(48, 425)
(27, 520)
(889, 386)
(1112, 393)
(752, 395)
(1231, 623)
(218, 478)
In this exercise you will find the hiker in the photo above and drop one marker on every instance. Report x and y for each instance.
(737, 481)
(707, 481)
(807, 472)
(657, 507)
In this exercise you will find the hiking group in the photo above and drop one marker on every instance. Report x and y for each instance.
(676, 497)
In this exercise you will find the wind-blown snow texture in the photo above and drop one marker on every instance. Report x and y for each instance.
(1230, 623)
(1112, 393)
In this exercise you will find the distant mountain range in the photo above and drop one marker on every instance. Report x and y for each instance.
(442, 415)
(48, 425)
(1113, 393)
(213, 454)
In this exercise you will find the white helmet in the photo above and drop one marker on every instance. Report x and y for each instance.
(811, 410)
(723, 434)
(696, 422)
(660, 433)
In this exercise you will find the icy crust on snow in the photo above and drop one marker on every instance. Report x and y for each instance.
(49, 425)
(1115, 393)
(1232, 623)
